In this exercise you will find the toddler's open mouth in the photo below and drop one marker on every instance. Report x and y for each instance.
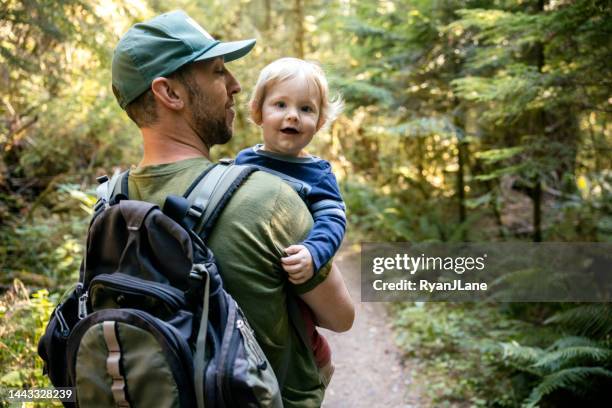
(290, 131)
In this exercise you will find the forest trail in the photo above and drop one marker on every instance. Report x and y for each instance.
(369, 370)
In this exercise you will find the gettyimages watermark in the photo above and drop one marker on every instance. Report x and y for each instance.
(502, 272)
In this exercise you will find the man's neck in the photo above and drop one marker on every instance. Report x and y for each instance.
(168, 146)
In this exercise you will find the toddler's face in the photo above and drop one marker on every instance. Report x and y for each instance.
(290, 113)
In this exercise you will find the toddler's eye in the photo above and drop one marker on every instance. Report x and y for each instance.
(307, 109)
(280, 104)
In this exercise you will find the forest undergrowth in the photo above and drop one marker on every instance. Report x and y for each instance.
(464, 121)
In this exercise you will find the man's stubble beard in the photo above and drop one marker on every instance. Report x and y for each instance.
(210, 129)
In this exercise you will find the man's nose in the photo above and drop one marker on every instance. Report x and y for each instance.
(232, 84)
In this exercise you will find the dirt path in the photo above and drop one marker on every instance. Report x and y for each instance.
(369, 372)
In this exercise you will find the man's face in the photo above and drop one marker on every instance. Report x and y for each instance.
(211, 89)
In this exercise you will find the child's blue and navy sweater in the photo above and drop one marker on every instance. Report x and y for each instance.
(312, 178)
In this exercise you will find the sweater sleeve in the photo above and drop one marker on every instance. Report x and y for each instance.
(329, 215)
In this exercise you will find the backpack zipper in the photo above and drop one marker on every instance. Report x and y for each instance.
(137, 286)
(248, 336)
(82, 307)
(225, 359)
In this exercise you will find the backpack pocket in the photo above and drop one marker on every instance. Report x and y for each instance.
(261, 379)
(126, 356)
(52, 345)
(119, 291)
(244, 378)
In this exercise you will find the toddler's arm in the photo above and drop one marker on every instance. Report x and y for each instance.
(327, 208)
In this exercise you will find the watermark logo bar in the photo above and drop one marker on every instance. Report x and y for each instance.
(42, 396)
(500, 272)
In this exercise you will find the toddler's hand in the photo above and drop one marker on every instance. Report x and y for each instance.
(298, 264)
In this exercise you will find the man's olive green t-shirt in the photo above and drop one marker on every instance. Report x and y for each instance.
(263, 217)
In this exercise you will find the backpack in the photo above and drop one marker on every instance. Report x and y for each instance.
(149, 323)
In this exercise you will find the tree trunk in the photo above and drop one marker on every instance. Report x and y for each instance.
(540, 126)
(268, 15)
(537, 211)
(298, 45)
(424, 186)
(462, 151)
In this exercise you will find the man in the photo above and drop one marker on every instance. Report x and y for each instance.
(170, 76)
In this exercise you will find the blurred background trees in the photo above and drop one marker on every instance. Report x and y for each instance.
(465, 120)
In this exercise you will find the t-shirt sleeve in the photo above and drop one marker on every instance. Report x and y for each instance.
(328, 212)
(314, 281)
(291, 222)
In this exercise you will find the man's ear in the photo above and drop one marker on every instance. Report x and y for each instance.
(168, 93)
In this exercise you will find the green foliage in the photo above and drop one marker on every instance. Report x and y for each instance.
(577, 365)
(586, 214)
(494, 155)
(576, 379)
(376, 213)
(593, 321)
(567, 356)
(455, 111)
(502, 358)
(46, 250)
(513, 80)
(23, 317)
(422, 127)
(394, 217)
(459, 351)
(364, 92)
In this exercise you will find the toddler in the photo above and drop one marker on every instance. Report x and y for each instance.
(291, 103)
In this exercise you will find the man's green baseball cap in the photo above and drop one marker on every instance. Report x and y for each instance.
(160, 46)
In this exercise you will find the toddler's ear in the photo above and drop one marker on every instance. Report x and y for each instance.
(255, 112)
(320, 122)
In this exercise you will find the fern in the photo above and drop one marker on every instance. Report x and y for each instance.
(575, 379)
(363, 93)
(426, 126)
(526, 284)
(567, 364)
(594, 321)
(515, 169)
(573, 341)
(522, 357)
(495, 155)
(572, 356)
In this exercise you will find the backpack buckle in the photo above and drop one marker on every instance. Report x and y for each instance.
(198, 271)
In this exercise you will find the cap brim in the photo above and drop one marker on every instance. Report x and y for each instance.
(228, 50)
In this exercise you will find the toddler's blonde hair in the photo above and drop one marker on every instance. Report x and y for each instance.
(288, 68)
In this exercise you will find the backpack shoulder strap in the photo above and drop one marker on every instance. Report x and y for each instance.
(210, 193)
(110, 191)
